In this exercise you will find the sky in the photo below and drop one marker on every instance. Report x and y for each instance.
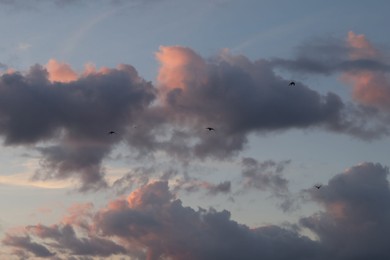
(158, 73)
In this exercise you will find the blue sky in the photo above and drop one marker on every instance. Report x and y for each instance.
(193, 64)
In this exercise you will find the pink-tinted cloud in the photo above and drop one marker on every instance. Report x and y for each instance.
(151, 223)
(369, 87)
(356, 220)
(360, 47)
(231, 93)
(60, 72)
(76, 116)
(236, 96)
(361, 64)
(180, 68)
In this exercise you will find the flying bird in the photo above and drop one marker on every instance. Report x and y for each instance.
(111, 133)
(210, 128)
(318, 186)
(292, 83)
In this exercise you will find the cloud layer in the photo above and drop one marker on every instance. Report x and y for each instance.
(151, 223)
(66, 115)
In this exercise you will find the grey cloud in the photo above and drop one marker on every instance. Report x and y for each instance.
(68, 122)
(238, 97)
(25, 243)
(139, 176)
(223, 187)
(195, 185)
(356, 222)
(327, 56)
(65, 237)
(76, 116)
(265, 175)
(152, 224)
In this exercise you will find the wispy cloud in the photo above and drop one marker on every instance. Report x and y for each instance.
(360, 63)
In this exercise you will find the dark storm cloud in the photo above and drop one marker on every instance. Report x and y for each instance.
(356, 222)
(76, 116)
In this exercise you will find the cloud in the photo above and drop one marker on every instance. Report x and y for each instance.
(237, 97)
(60, 72)
(332, 55)
(25, 243)
(356, 220)
(73, 116)
(64, 236)
(194, 185)
(268, 176)
(370, 87)
(152, 224)
(65, 114)
(265, 175)
(360, 63)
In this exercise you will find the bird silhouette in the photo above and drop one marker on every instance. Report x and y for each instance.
(111, 133)
(210, 128)
(292, 83)
(318, 186)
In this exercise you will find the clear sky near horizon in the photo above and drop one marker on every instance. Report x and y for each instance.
(158, 72)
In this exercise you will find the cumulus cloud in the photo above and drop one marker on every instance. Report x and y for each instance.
(151, 223)
(72, 111)
(356, 220)
(237, 96)
(74, 116)
(60, 72)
